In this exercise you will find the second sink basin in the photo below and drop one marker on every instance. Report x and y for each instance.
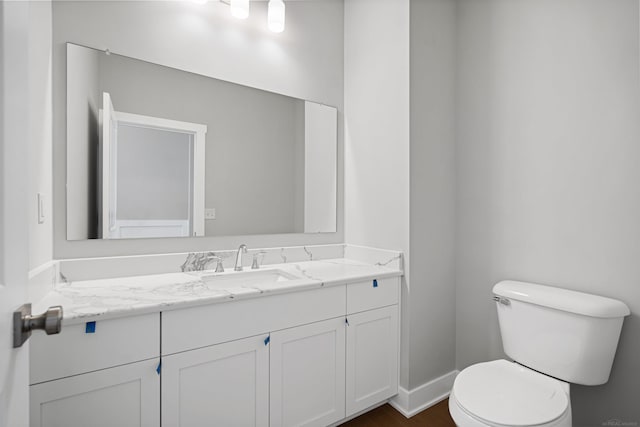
(246, 278)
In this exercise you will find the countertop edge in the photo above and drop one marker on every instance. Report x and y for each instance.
(300, 286)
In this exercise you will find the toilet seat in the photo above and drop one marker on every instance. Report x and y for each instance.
(503, 393)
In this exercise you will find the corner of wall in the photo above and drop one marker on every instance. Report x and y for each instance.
(411, 402)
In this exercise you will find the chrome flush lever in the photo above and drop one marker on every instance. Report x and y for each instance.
(501, 300)
(24, 322)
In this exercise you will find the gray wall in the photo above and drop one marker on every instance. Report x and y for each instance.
(306, 61)
(400, 163)
(548, 170)
(377, 134)
(432, 184)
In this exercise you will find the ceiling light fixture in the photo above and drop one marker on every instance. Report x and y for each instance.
(239, 8)
(275, 16)
(275, 12)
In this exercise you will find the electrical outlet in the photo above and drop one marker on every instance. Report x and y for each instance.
(210, 213)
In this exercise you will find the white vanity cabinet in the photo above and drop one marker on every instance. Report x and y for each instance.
(332, 352)
(307, 374)
(220, 385)
(302, 358)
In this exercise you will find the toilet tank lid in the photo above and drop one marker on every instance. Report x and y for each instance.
(562, 299)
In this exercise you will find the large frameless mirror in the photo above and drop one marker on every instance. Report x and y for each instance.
(154, 151)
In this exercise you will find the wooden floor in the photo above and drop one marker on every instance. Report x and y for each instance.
(386, 416)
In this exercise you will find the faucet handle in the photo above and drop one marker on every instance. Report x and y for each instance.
(208, 258)
(219, 266)
(254, 264)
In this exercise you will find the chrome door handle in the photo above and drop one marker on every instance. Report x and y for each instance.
(24, 322)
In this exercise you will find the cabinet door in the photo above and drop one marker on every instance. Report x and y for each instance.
(307, 374)
(372, 357)
(124, 396)
(220, 385)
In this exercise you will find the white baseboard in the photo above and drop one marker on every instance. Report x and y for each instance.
(409, 403)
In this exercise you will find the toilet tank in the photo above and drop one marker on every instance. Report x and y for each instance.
(566, 334)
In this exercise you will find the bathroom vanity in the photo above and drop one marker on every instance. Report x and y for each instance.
(305, 344)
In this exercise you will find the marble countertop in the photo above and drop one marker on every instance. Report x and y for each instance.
(89, 300)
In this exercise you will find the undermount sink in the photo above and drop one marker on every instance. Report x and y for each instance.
(246, 278)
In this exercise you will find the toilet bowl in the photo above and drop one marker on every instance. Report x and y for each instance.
(502, 393)
(556, 337)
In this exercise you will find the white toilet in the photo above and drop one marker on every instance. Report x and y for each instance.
(555, 337)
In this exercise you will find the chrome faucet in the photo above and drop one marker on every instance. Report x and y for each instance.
(242, 249)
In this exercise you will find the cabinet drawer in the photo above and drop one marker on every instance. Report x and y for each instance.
(74, 351)
(213, 324)
(372, 294)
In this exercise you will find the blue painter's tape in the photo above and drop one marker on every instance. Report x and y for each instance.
(375, 283)
(267, 340)
(90, 328)
(159, 368)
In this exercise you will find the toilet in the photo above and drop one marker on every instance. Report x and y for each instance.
(555, 337)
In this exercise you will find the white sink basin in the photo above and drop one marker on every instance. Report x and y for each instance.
(246, 278)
